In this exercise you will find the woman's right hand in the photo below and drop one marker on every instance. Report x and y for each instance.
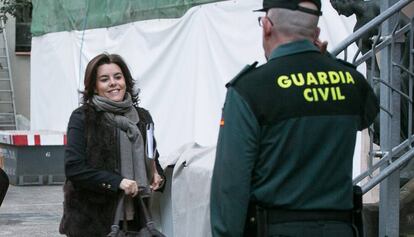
(130, 187)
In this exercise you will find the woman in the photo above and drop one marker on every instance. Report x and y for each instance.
(106, 151)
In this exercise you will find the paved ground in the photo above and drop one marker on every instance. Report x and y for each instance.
(31, 211)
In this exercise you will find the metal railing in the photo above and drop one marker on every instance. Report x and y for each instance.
(389, 72)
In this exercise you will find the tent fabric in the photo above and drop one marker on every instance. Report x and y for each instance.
(61, 15)
(189, 214)
(181, 66)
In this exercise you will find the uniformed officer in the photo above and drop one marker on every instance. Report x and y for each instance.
(288, 133)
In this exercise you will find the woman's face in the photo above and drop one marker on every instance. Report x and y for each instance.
(110, 82)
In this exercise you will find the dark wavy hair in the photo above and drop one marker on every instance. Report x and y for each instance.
(92, 69)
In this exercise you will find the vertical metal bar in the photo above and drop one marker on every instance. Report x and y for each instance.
(346, 54)
(390, 129)
(371, 75)
(371, 153)
(410, 83)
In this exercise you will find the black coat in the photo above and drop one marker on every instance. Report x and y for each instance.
(4, 185)
(92, 171)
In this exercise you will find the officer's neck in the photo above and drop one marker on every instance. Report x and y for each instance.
(278, 41)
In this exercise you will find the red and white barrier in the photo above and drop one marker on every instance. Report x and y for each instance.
(32, 138)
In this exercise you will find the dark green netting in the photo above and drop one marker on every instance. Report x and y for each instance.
(66, 15)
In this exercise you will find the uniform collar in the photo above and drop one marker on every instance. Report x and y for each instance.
(293, 48)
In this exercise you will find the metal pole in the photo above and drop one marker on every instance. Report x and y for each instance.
(410, 84)
(389, 128)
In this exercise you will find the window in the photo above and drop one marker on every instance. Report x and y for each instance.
(23, 23)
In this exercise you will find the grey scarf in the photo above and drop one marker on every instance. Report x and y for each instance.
(134, 166)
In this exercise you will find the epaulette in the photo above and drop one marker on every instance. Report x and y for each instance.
(346, 63)
(245, 70)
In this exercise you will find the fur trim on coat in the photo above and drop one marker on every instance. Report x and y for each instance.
(87, 212)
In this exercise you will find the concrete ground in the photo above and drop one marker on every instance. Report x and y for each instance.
(31, 211)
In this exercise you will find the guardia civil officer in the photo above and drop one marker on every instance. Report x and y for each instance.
(288, 133)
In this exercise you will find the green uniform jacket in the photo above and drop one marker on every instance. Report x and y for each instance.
(287, 136)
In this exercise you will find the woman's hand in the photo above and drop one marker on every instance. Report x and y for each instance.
(130, 187)
(157, 182)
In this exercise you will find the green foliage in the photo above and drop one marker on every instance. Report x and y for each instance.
(13, 8)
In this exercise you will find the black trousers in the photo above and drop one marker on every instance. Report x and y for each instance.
(311, 229)
(288, 223)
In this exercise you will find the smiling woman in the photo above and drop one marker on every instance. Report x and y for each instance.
(106, 154)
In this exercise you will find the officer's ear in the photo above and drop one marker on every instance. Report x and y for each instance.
(267, 28)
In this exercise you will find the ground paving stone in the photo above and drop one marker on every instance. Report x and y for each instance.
(31, 211)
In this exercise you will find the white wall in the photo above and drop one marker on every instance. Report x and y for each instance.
(20, 65)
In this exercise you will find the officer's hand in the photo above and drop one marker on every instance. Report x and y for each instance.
(321, 45)
(130, 187)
